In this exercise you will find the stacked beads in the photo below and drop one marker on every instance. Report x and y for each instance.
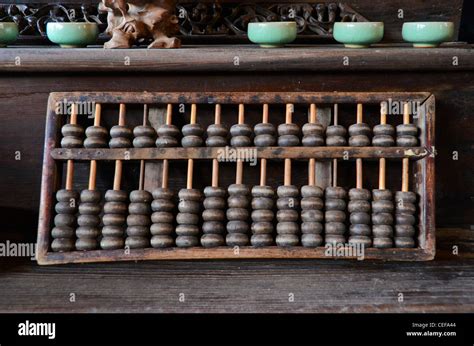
(287, 216)
(144, 136)
(72, 136)
(312, 215)
(238, 215)
(382, 219)
(264, 135)
(188, 217)
(405, 210)
(359, 209)
(88, 220)
(162, 228)
(313, 135)
(114, 220)
(241, 133)
(288, 135)
(217, 135)
(192, 135)
(383, 135)
(336, 136)
(96, 137)
(65, 220)
(335, 214)
(213, 216)
(359, 135)
(138, 220)
(167, 136)
(407, 135)
(262, 215)
(121, 137)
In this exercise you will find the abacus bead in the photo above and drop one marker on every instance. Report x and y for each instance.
(62, 232)
(264, 129)
(360, 229)
(144, 131)
(241, 130)
(116, 196)
(363, 240)
(262, 215)
(382, 206)
(213, 227)
(96, 137)
(261, 227)
(382, 242)
(137, 231)
(311, 240)
(215, 191)
(356, 205)
(406, 208)
(238, 189)
(63, 244)
(237, 226)
(141, 196)
(264, 140)
(383, 141)
(336, 130)
(261, 239)
(382, 231)
(237, 239)
(190, 230)
(166, 142)
(287, 203)
(214, 203)
(404, 242)
(162, 228)
(405, 196)
(89, 208)
(335, 238)
(162, 205)
(90, 196)
(213, 215)
(407, 141)
(288, 130)
(311, 227)
(139, 242)
(384, 129)
(115, 208)
(288, 141)
(287, 191)
(86, 244)
(187, 219)
(71, 142)
(65, 208)
(313, 129)
(262, 203)
(191, 141)
(237, 214)
(64, 220)
(190, 195)
(238, 201)
(405, 219)
(90, 232)
(335, 216)
(192, 130)
(112, 231)
(382, 195)
(212, 240)
(216, 141)
(187, 241)
(335, 228)
(186, 206)
(72, 130)
(240, 141)
(360, 129)
(382, 218)
(335, 192)
(407, 130)
(217, 130)
(335, 204)
(335, 141)
(287, 240)
(263, 191)
(313, 141)
(312, 215)
(311, 191)
(168, 130)
(404, 230)
(138, 220)
(162, 216)
(111, 243)
(114, 219)
(121, 137)
(162, 193)
(287, 215)
(143, 142)
(161, 241)
(139, 208)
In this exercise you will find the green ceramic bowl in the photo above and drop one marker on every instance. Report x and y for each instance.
(272, 34)
(8, 33)
(358, 34)
(72, 35)
(427, 34)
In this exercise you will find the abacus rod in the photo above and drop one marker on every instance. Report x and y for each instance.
(405, 161)
(239, 174)
(336, 113)
(217, 116)
(145, 114)
(169, 113)
(265, 113)
(312, 162)
(382, 163)
(334, 161)
(359, 161)
(288, 120)
(263, 162)
(92, 175)
(215, 173)
(97, 115)
(312, 113)
(359, 113)
(241, 113)
(122, 114)
(70, 163)
(189, 180)
(165, 167)
(118, 174)
(141, 182)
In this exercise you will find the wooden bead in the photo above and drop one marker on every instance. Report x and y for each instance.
(65, 208)
(113, 232)
(189, 230)
(191, 141)
(365, 241)
(311, 191)
(309, 227)
(213, 215)
(190, 195)
(335, 204)
(167, 136)
(72, 138)
(311, 240)
(186, 206)
(265, 135)
(162, 228)
(187, 241)
(382, 206)
(262, 203)
(161, 241)
(237, 226)
(62, 232)
(211, 191)
(263, 191)
(264, 141)
(382, 219)
(162, 193)
(288, 141)
(96, 137)
(335, 192)
(359, 208)
(238, 189)
(62, 244)
(166, 142)
(335, 215)
(111, 243)
(404, 242)
(137, 242)
(212, 240)
(313, 135)
(312, 215)
(238, 201)
(138, 231)
(405, 218)
(404, 231)
(237, 214)
(382, 231)
(261, 227)
(237, 239)
(241, 135)
(216, 141)
(284, 215)
(336, 136)
(213, 227)
(240, 141)
(217, 135)
(358, 205)
(214, 203)
(121, 137)
(162, 205)
(382, 243)
(187, 219)
(359, 135)
(335, 239)
(139, 208)
(162, 217)
(335, 228)
(360, 230)
(140, 196)
(263, 215)
(261, 239)
(383, 135)
(86, 243)
(89, 208)
(145, 136)
(287, 240)
(139, 220)
(407, 135)
(114, 219)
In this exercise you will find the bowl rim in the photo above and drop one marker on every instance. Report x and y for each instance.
(433, 22)
(357, 23)
(74, 23)
(272, 23)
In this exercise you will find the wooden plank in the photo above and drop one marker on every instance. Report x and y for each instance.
(236, 59)
(224, 153)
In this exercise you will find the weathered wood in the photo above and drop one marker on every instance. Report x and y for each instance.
(249, 58)
(207, 153)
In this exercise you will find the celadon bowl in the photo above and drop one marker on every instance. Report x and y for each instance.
(427, 34)
(8, 33)
(272, 34)
(72, 35)
(358, 34)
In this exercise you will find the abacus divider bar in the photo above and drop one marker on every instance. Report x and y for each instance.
(382, 165)
(93, 175)
(165, 174)
(263, 172)
(215, 173)
(287, 174)
(118, 175)
(359, 173)
(69, 174)
(189, 180)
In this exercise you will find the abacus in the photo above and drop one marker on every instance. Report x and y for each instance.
(238, 175)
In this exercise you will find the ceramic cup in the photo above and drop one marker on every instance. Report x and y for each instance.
(358, 34)
(427, 34)
(8, 33)
(72, 35)
(272, 34)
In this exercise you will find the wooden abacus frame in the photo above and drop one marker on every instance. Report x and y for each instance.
(423, 170)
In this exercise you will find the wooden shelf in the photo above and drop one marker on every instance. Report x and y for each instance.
(207, 153)
(237, 58)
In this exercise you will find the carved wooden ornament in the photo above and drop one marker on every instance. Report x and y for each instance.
(135, 21)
